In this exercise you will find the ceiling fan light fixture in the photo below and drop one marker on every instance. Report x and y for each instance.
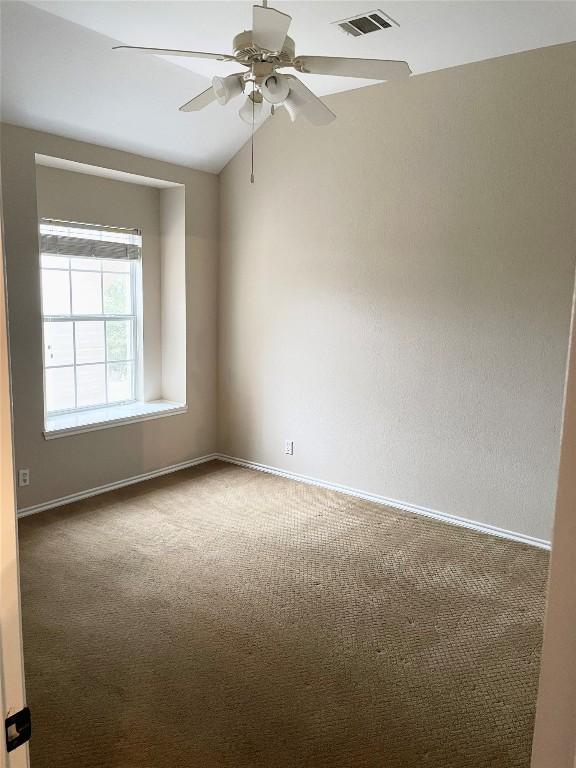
(275, 89)
(264, 49)
(226, 88)
(252, 108)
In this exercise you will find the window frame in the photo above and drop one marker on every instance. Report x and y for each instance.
(134, 317)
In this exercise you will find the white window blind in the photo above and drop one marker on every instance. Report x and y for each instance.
(88, 241)
(89, 307)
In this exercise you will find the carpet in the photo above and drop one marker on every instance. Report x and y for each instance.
(221, 617)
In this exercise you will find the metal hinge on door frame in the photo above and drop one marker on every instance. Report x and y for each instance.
(17, 729)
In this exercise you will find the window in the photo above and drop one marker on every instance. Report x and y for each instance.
(90, 279)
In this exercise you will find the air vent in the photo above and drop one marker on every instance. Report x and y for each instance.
(365, 23)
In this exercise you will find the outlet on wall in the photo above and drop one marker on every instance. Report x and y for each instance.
(23, 477)
(289, 447)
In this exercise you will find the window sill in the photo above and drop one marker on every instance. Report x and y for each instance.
(102, 418)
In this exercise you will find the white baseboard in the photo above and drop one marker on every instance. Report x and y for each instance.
(114, 486)
(401, 505)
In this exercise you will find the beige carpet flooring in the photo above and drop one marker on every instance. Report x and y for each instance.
(225, 618)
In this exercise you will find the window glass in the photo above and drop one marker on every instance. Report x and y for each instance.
(90, 347)
(91, 385)
(117, 294)
(119, 382)
(115, 265)
(91, 265)
(60, 389)
(86, 293)
(58, 344)
(54, 262)
(55, 292)
(119, 340)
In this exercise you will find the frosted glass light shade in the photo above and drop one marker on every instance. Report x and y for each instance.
(275, 89)
(245, 111)
(226, 88)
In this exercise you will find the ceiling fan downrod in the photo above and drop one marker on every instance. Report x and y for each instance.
(252, 139)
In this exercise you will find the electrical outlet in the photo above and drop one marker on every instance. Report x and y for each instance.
(23, 477)
(289, 448)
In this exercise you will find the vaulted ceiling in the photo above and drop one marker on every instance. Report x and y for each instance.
(59, 73)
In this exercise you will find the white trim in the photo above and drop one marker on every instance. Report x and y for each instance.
(163, 410)
(105, 173)
(377, 499)
(114, 486)
(402, 505)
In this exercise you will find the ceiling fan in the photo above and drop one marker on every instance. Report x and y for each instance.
(265, 49)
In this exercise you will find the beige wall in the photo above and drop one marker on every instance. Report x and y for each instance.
(173, 303)
(87, 198)
(394, 297)
(76, 463)
(395, 290)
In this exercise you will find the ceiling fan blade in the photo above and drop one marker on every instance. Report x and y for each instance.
(371, 69)
(200, 101)
(173, 52)
(303, 102)
(269, 27)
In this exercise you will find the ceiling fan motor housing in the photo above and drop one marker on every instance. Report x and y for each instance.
(247, 51)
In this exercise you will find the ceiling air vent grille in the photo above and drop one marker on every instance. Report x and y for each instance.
(365, 23)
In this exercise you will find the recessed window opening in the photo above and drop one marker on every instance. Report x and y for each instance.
(91, 279)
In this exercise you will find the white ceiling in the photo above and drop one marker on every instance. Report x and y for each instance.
(60, 75)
